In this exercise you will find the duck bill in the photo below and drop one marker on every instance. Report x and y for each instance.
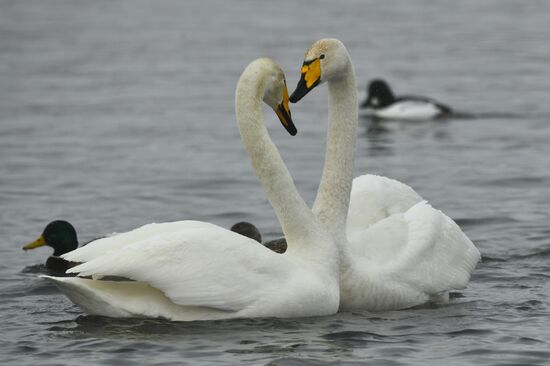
(283, 112)
(310, 78)
(40, 242)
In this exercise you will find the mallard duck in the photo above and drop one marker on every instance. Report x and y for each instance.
(248, 229)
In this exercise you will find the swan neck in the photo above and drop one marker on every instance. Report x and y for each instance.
(294, 215)
(332, 201)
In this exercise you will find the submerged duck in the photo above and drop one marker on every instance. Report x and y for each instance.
(61, 236)
(248, 229)
(382, 103)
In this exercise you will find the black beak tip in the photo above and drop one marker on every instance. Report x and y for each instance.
(292, 131)
(290, 127)
(301, 91)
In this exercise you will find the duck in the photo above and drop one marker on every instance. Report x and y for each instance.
(61, 236)
(247, 229)
(382, 103)
(396, 250)
(193, 270)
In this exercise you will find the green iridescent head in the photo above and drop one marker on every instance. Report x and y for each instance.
(60, 235)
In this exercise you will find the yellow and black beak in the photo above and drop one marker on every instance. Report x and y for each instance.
(311, 77)
(283, 112)
(40, 242)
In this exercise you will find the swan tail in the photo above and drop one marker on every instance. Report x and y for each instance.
(441, 256)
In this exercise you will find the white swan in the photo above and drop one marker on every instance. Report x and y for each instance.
(192, 270)
(396, 250)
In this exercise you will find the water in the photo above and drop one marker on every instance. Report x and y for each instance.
(118, 113)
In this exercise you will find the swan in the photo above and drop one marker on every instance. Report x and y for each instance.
(396, 251)
(191, 270)
(382, 103)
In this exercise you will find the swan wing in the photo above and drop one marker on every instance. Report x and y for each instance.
(203, 265)
(421, 248)
(115, 241)
(374, 198)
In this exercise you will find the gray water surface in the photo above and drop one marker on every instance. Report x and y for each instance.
(114, 114)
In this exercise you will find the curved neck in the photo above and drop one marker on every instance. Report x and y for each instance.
(332, 201)
(295, 217)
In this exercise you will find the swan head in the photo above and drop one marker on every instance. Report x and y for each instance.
(271, 81)
(327, 59)
(276, 96)
(60, 235)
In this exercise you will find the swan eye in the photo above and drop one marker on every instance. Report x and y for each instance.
(322, 56)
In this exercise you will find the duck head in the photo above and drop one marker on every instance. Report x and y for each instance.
(379, 94)
(60, 235)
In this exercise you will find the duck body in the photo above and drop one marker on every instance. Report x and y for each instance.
(382, 103)
(58, 266)
(192, 270)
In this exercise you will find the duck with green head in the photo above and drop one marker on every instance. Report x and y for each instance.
(61, 236)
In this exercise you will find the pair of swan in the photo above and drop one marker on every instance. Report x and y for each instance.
(386, 249)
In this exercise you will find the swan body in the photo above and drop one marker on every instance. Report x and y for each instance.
(382, 103)
(396, 250)
(191, 270)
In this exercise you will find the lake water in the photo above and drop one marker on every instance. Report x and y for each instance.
(114, 114)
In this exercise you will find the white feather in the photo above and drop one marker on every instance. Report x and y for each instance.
(406, 110)
(396, 250)
(201, 266)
